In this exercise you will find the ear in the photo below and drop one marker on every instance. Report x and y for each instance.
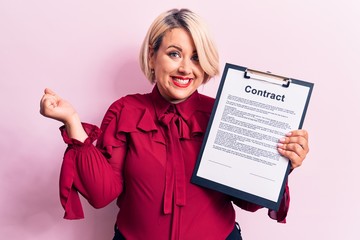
(151, 57)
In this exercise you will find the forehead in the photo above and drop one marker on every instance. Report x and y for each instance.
(178, 37)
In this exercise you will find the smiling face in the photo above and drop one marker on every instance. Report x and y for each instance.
(177, 69)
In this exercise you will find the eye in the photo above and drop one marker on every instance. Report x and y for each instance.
(195, 57)
(174, 54)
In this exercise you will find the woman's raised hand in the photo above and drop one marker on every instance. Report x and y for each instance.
(53, 106)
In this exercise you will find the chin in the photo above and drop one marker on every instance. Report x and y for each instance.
(181, 97)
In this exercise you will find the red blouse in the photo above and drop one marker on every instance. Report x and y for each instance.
(131, 162)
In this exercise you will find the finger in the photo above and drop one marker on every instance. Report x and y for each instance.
(294, 158)
(51, 102)
(299, 148)
(297, 139)
(47, 103)
(49, 91)
(47, 97)
(298, 133)
(294, 147)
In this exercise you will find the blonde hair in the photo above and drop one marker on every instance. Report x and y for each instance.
(191, 22)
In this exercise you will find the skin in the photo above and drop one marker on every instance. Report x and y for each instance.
(177, 69)
(53, 106)
(295, 147)
(178, 74)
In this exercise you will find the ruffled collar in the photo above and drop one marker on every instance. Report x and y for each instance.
(185, 108)
(192, 111)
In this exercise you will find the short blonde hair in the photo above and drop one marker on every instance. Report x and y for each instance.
(191, 22)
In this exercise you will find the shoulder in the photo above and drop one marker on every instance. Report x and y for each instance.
(206, 103)
(130, 105)
(131, 101)
(127, 112)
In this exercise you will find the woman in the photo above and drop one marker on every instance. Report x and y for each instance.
(148, 144)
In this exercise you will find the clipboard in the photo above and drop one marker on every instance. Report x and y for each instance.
(253, 109)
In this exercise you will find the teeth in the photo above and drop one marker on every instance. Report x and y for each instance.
(182, 81)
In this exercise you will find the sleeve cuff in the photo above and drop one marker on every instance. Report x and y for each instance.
(92, 131)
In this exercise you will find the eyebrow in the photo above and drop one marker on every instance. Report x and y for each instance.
(179, 48)
(174, 46)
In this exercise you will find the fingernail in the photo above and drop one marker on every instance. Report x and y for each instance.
(288, 134)
(282, 140)
(280, 144)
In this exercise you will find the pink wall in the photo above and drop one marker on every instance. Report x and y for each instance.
(87, 51)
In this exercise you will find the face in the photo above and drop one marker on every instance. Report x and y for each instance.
(177, 69)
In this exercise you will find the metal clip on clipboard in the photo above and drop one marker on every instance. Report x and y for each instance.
(267, 77)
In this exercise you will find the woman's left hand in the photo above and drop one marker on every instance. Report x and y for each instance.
(294, 146)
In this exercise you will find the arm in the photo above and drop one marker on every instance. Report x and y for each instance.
(85, 169)
(88, 171)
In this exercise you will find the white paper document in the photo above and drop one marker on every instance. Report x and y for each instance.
(239, 155)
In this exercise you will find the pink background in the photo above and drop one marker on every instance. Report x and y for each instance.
(87, 51)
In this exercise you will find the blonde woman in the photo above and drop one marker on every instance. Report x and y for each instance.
(148, 144)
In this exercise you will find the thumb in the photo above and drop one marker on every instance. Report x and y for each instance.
(49, 91)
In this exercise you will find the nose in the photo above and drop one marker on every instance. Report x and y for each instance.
(185, 67)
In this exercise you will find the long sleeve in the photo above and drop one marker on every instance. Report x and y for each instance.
(92, 171)
(279, 216)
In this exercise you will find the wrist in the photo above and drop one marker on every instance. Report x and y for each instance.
(75, 129)
(72, 121)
